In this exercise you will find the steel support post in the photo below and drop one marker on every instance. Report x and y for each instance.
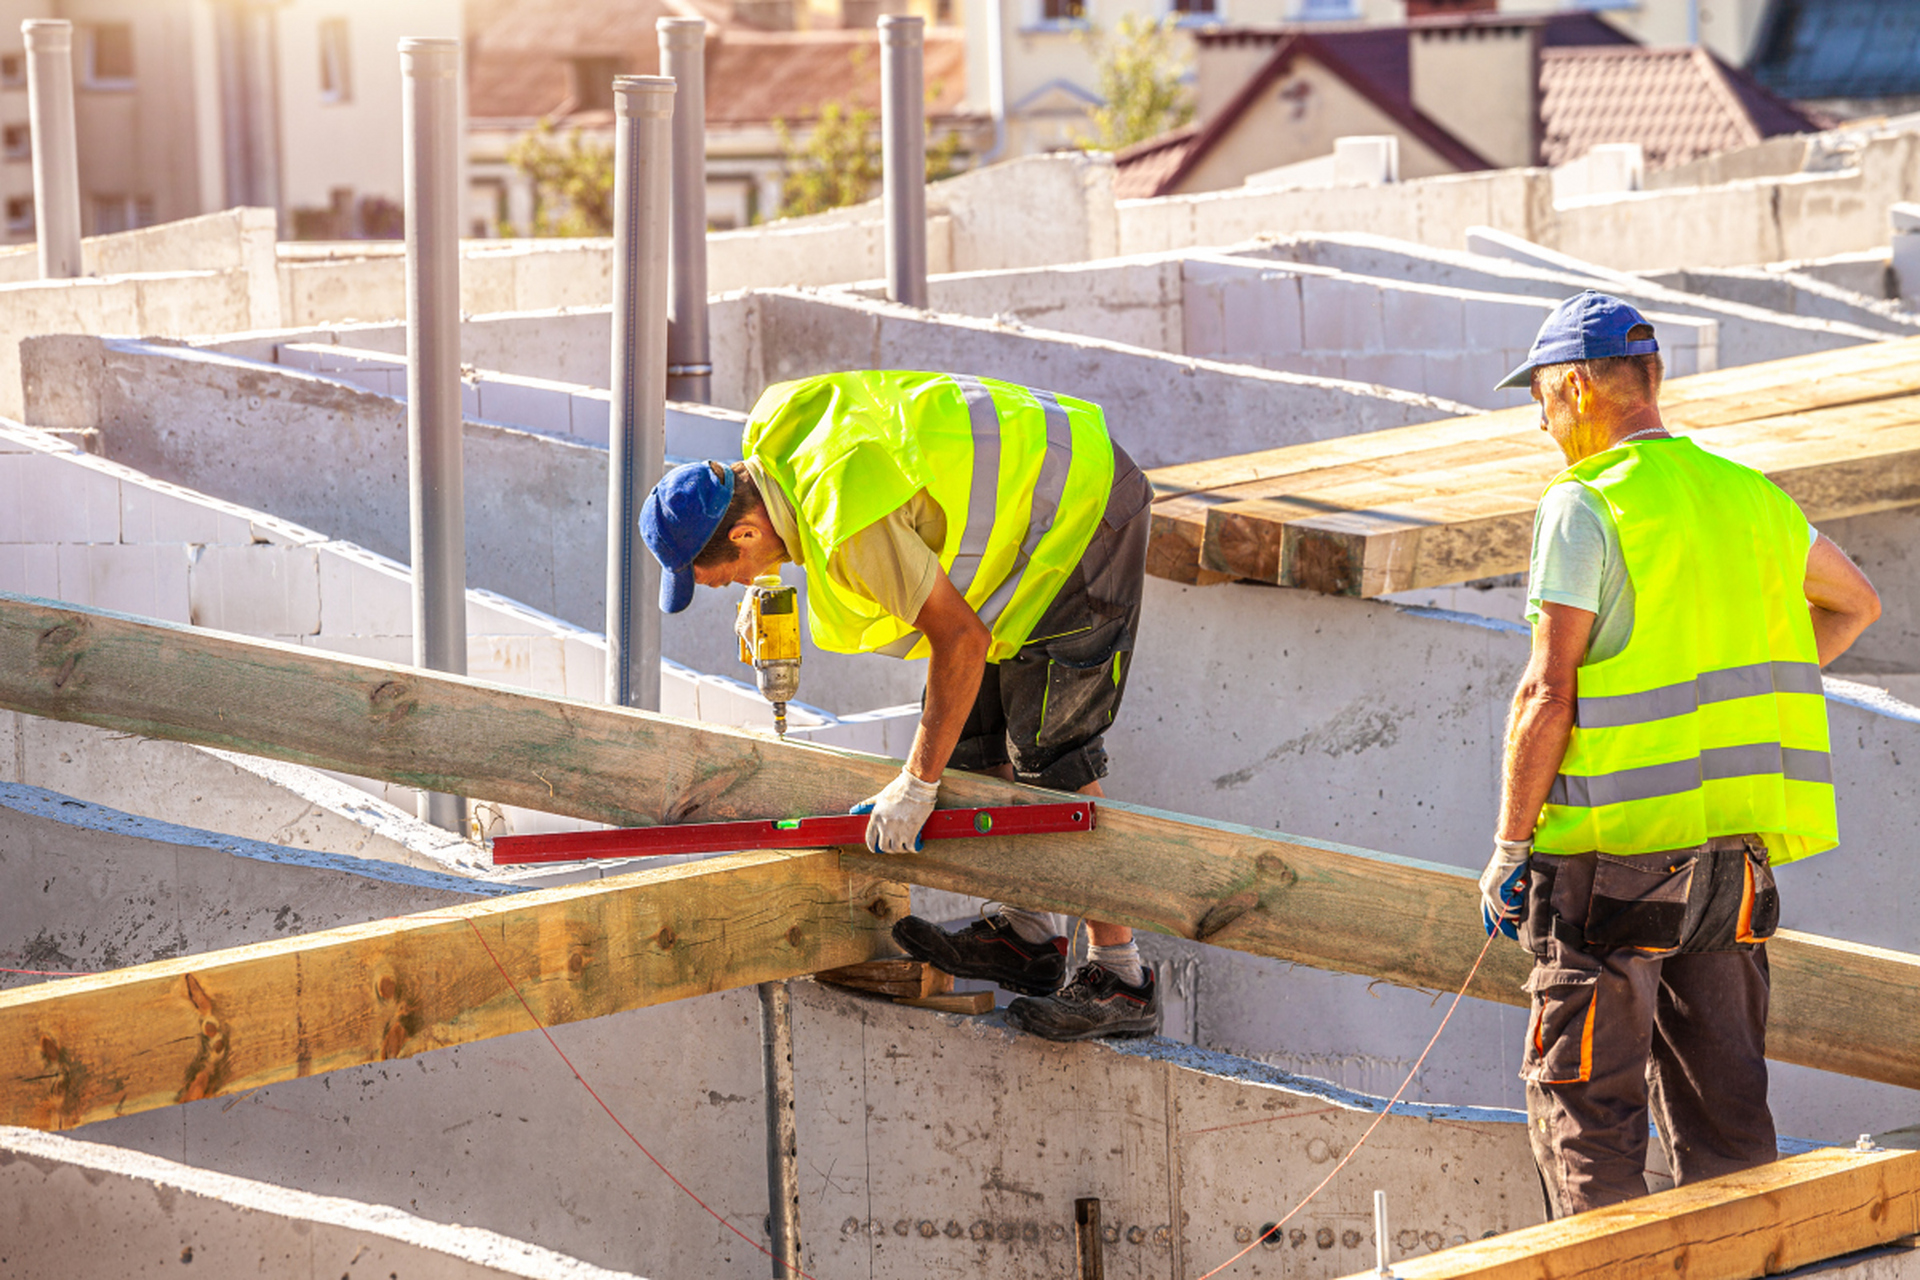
(438, 522)
(642, 154)
(783, 1136)
(683, 59)
(903, 147)
(56, 160)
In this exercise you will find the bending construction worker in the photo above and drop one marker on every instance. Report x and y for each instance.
(996, 531)
(1666, 750)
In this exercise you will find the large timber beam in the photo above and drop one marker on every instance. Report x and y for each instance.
(198, 1026)
(1761, 1222)
(1836, 1006)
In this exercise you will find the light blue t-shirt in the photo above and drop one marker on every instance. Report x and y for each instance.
(1576, 561)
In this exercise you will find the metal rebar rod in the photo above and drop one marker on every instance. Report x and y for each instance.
(1089, 1250)
(56, 161)
(903, 145)
(783, 1137)
(642, 156)
(683, 59)
(438, 519)
(1383, 1268)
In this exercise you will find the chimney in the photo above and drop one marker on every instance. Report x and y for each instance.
(1480, 81)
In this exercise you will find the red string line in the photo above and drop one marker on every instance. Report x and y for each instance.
(616, 1119)
(1387, 1111)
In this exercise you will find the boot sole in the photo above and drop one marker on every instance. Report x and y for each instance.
(951, 965)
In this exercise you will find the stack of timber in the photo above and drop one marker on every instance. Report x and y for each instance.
(1448, 502)
(82, 1048)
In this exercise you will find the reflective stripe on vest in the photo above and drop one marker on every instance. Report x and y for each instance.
(849, 449)
(1712, 721)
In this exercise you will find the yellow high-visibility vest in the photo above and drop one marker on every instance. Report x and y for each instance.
(1023, 477)
(1712, 721)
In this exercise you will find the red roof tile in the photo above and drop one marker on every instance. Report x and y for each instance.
(520, 67)
(1678, 104)
(1144, 168)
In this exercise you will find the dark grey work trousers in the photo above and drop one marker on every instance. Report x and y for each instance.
(1649, 1000)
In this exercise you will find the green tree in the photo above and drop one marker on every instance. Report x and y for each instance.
(572, 182)
(1137, 73)
(839, 163)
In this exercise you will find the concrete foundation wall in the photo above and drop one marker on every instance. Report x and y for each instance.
(239, 795)
(78, 1208)
(1160, 408)
(1794, 294)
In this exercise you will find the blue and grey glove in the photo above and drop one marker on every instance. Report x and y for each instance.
(1503, 887)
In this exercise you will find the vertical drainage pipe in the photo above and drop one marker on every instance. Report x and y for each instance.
(438, 517)
(56, 162)
(783, 1135)
(903, 144)
(637, 441)
(683, 59)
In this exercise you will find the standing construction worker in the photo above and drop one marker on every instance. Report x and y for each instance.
(1666, 750)
(998, 532)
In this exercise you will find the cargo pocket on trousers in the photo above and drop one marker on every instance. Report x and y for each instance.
(1639, 901)
(1759, 899)
(1084, 674)
(1560, 1033)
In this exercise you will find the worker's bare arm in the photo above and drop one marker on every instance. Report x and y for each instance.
(1541, 721)
(959, 641)
(1841, 599)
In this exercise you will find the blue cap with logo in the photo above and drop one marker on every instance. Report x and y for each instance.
(1587, 326)
(680, 515)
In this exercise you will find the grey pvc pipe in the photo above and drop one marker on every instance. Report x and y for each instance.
(56, 159)
(683, 59)
(783, 1130)
(903, 148)
(438, 520)
(642, 161)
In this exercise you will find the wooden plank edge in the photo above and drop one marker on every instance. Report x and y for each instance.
(1798, 1210)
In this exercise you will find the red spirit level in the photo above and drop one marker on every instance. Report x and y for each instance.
(785, 833)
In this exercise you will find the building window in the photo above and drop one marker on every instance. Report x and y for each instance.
(16, 142)
(20, 216)
(1196, 8)
(121, 213)
(336, 62)
(107, 55)
(13, 70)
(1062, 10)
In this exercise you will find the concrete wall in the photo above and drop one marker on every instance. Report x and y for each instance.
(70, 1208)
(1161, 408)
(235, 240)
(90, 888)
(239, 795)
(1792, 293)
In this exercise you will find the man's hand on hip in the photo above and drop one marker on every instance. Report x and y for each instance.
(898, 813)
(1503, 887)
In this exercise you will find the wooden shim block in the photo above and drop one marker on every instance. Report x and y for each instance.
(895, 976)
(1761, 1222)
(173, 1031)
(974, 1002)
(1837, 1007)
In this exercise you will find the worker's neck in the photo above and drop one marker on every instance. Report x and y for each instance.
(1599, 435)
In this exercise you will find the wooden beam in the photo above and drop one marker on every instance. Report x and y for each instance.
(1443, 502)
(199, 1026)
(1837, 1006)
(1781, 1216)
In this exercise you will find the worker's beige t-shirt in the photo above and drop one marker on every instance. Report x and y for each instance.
(893, 562)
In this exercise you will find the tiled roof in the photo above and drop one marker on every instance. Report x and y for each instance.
(1678, 104)
(520, 67)
(1143, 169)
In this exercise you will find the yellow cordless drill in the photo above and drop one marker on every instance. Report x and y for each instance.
(768, 625)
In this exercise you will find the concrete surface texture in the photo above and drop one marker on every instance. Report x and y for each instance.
(90, 888)
(79, 1208)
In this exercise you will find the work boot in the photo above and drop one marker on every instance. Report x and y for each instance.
(1095, 1003)
(988, 950)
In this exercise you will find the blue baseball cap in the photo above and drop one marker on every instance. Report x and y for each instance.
(1587, 326)
(679, 517)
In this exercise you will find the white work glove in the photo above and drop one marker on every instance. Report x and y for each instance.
(898, 814)
(743, 623)
(1503, 887)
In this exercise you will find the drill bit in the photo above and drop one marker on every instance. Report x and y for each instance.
(780, 719)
